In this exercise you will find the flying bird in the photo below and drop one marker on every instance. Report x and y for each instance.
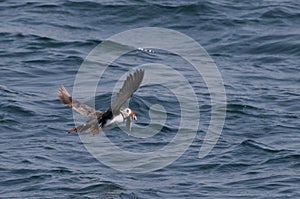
(99, 120)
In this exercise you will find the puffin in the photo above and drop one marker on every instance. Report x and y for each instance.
(99, 120)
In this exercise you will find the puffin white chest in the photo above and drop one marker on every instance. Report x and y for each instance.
(117, 119)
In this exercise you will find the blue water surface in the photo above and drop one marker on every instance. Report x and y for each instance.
(255, 46)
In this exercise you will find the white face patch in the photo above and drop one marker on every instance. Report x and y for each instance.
(126, 112)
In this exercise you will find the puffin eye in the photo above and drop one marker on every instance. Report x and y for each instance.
(127, 111)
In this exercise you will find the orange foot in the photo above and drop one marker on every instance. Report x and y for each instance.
(95, 131)
(72, 129)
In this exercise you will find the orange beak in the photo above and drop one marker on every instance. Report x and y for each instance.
(133, 115)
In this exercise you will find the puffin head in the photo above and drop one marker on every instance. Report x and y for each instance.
(129, 113)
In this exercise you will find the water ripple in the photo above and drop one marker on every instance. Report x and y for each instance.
(255, 45)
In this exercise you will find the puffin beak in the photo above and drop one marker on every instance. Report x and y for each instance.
(133, 115)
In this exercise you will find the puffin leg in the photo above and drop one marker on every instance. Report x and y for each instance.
(72, 129)
(96, 131)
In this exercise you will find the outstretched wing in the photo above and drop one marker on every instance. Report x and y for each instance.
(81, 108)
(130, 85)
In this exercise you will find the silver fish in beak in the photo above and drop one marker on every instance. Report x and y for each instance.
(130, 119)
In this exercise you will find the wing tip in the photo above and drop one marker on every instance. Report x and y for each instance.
(141, 71)
(138, 75)
(64, 96)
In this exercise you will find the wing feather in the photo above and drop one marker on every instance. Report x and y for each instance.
(131, 84)
(81, 108)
